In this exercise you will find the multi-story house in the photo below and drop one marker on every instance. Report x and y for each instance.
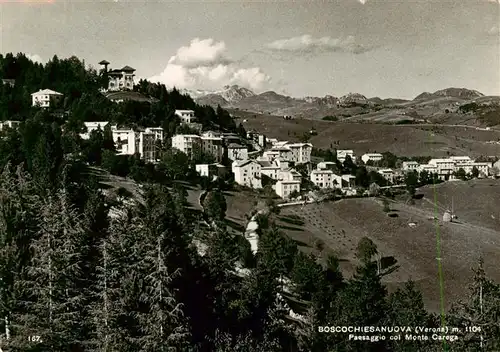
(213, 146)
(247, 173)
(46, 98)
(148, 145)
(326, 165)
(191, 143)
(388, 174)
(125, 140)
(186, 143)
(144, 143)
(211, 171)
(431, 169)
(120, 79)
(237, 152)
(444, 167)
(343, 153)
(269, 168)
(156, 131)
(482, 167)
(371, 157)
(461, 159)
(9, 124)
(410, 166)
(186, 116)
(284, 188)
(323, 178)
(301, 152)
(93, 126)
(278, 153)
(288, 174)
(345, 181)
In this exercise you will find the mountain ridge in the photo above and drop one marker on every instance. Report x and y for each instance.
(440, 106)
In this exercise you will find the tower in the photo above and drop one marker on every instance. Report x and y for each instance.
(105, 64)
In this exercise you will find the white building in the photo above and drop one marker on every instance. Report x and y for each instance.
(323, 178)
(301, 152)
(9, 124)
(261, 140)
(189, 143)
(482, 167)
(156, 131)
(125, 141)
(211, 171)
(324, 165)
(247, 173)
(278, 153)
(388, 174)
(45, 98)
(371, 157)
(410, 166)
(147, 145)
(120, 79)
(288, 174)
(343, 153)
(269, 168)
(237, 152)
(186, 116)
(432, 169)
(346, 181)
(286, 187)
(444, 167)
(93, 126)
(461, 159)
(186, 143)
(213, 146)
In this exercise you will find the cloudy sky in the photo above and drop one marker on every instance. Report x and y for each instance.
(383, 48)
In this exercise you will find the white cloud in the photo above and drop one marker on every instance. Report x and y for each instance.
(204, 65)
(35, 58)
(363, 1)
(307, 43)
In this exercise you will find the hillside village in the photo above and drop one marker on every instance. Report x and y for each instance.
(175, 171)
(254, 156)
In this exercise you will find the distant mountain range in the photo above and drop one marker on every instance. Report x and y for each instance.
(350, 106)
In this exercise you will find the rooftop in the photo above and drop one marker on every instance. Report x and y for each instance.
(236, 146)
(47, 92)
(243, 163)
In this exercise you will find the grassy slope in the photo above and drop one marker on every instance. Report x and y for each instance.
(340, 225)
(362, 138)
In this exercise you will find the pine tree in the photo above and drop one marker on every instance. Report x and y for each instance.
(162, 323)
(406, 308)
(111, 316)
(18, 225)
(482, 311)
(53, 304)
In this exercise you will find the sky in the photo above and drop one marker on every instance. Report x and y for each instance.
(383, 48)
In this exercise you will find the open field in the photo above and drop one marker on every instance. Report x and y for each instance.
(413, 140)
(476, 201)
(342, 224)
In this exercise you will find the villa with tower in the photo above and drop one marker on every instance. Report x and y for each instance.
(118, 79)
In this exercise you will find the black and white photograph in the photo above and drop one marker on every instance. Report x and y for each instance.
(249, 175)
